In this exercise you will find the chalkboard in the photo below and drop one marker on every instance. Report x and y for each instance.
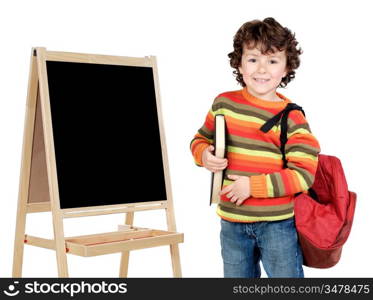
(106, 134)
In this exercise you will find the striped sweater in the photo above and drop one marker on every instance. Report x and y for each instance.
(253, 153)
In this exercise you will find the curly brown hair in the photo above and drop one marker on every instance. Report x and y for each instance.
(270, 36)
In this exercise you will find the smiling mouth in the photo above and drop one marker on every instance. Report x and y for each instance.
(260, 80)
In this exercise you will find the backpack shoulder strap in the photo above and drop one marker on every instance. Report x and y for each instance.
(283, 116)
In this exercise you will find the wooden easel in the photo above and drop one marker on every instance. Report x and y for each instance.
(38, 189)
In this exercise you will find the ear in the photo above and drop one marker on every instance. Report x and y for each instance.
(240, 69)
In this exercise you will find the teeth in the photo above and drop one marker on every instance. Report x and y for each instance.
(261, 80)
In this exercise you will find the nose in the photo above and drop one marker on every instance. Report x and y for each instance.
(262, 67)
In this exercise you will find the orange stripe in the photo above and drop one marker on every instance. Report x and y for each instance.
(296, 181)
(209, 122)
(242, 124)
(235, 96)
(301, 161)
(198, 152)
(249, 163)
(249, 168)
(293, 180)
(287, 183)
(301, 138)
(254, 133)
(200, 139)
(297, 117)
(270, 137)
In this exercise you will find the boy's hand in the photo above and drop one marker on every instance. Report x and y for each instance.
(211, 162)
(239, 190)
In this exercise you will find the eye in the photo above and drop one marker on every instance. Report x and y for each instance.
(273, 61)
(252, 60)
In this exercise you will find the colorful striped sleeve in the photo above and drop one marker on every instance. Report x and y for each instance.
(301, 152)
(205, 134)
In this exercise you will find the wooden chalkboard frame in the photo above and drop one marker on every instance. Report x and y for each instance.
(38, 189)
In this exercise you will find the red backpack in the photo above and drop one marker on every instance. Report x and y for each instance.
(324, 215)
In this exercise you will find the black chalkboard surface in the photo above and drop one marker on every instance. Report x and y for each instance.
(106, 134)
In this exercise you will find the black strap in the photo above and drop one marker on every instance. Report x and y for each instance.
(313, 194)
(283, 116)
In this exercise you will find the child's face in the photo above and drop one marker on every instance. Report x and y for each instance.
(261, 73)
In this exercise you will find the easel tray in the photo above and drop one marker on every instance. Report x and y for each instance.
(119, 241)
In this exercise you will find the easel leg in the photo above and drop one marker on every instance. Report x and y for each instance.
(62, 263)
(19, 242)
(174, 248)
(123, 271)
(25, 167)
(59, 239)
(175, 257)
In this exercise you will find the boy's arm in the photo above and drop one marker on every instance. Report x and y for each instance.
(197, 146)
(203, 139)
(205, 135)
(301, 151)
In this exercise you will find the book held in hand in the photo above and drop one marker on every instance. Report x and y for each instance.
(219, 145)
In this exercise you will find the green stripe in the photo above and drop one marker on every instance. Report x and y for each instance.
(228, 104)
(302, 148)
(253, 147)
(304, 173)
(256, 208)
(276, 189)
(278, 185)
(251, 218)
(294, 127)
(303, 182)
(254, 152)
(238, 111)
(299, 131)
(251, 144)
(243, 117)
(270, 190)
(256, 213)
(302, 155)
(206, 132)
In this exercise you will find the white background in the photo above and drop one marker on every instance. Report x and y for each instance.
(191, 40)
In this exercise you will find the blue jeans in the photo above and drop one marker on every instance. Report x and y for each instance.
(275, 243)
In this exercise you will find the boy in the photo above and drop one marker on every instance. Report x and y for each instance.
(257, 198)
